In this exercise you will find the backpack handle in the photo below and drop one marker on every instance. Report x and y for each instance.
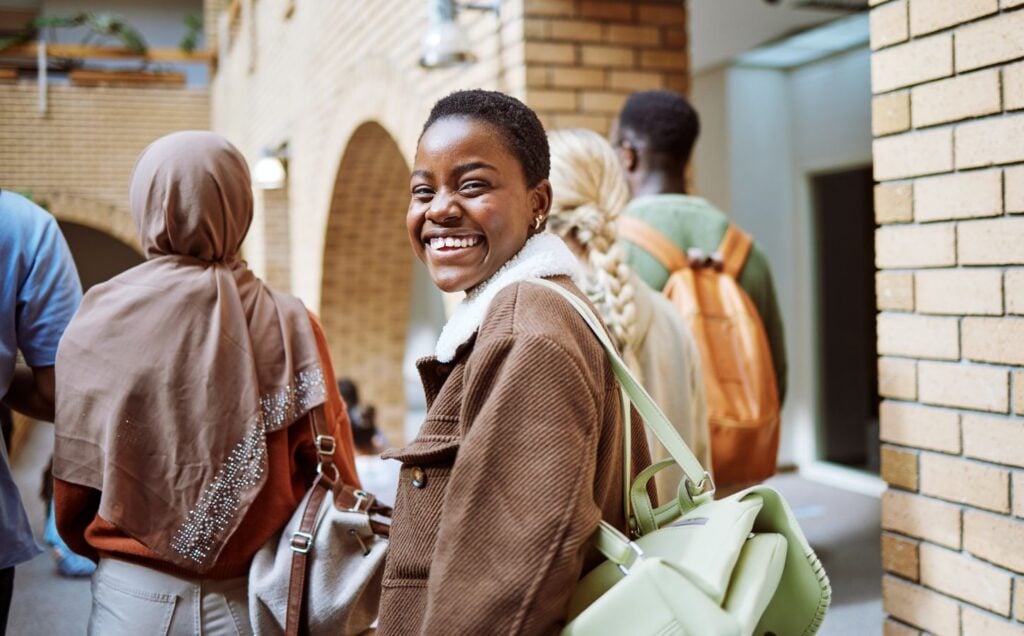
(653, 242)
(733, 250)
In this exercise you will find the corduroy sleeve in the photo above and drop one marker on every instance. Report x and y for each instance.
(519, 505)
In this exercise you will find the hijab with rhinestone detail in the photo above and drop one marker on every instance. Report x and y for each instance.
(171, 374)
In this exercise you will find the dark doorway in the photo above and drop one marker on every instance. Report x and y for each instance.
(98, 256)
(844, 233)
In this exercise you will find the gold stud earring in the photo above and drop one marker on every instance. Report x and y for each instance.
(538, 222)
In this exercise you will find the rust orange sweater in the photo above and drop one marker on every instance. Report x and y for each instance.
(291, 468)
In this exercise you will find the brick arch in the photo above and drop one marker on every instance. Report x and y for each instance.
(367, 272)
(98, 255)
(109, 219)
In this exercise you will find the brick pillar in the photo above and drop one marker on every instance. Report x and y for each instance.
(584, 57)
(277, 246)
(211, 11)
(949, 157)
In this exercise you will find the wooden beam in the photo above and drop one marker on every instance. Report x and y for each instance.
(92, 77)
(108, 53)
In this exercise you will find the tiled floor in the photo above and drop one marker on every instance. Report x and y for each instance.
(841, 526)
(44, 603)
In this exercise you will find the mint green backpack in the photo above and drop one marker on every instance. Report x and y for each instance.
(736, 566)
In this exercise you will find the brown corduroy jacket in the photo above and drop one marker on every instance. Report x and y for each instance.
(519, 458)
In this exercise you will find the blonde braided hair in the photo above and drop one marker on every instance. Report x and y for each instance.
(590, 192)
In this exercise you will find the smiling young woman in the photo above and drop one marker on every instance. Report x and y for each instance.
(521, 452)
(473, 204)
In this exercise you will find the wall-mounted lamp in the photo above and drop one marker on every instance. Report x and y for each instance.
(271, 170)
(445, 43)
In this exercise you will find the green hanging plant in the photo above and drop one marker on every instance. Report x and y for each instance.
(194, 26)
(99, 25)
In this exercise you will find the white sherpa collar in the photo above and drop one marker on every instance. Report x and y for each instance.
(544, 255)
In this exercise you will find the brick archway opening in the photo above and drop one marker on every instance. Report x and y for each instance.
(367, 273)
(112, 220)
(99, 255)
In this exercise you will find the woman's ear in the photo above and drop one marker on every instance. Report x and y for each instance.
(542, 198)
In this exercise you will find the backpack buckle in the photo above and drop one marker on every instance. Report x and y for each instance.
(705, 486)
(636, 554)
(325, 444)
(302, 542)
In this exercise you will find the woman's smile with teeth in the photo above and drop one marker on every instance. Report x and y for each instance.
(442, 242)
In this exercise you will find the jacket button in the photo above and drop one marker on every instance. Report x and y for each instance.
(419, 478)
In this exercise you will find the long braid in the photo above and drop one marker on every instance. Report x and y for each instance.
(590, 192)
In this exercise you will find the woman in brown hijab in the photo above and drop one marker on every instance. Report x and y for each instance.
(185, 388)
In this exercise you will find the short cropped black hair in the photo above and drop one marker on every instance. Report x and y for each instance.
(364, 428)
(664, 121)
(349, 391)
(523, 132)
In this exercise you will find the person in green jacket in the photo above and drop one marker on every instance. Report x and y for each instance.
(654, 136)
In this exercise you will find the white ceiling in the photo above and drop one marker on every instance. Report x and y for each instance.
(722, 29)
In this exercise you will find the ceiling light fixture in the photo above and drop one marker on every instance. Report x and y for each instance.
(271, 170)
(445, 44)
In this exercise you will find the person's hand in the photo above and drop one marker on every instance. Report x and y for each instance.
(32, 392)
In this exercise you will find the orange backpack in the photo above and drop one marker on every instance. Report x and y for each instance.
(739, 377)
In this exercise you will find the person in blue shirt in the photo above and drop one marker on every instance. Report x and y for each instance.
(39, 295)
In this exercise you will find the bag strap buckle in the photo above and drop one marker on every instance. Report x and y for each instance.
(636, 555)
(325, 444)
(334, 476)
(706, 485)
(302, 542)
(361, 497)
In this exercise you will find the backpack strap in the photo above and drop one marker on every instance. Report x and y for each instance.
(635, 393)
(302, 540)
(653, 242)
(734, 250)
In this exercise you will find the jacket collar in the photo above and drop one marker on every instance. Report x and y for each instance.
(543, 255)
(434, 373)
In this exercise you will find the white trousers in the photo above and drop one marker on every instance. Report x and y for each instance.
(132, 600)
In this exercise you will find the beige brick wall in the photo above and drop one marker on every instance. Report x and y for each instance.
(586, 56)
(78, 156)
(947, 76)
(267, 247)
(341, 84)
(277, 248)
